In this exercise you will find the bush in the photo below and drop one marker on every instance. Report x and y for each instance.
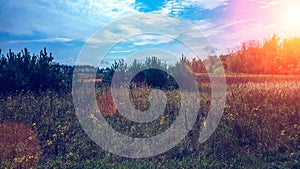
(22, 71)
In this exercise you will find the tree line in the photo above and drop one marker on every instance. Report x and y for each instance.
(153, 72)
(273, 56)
(25, 71)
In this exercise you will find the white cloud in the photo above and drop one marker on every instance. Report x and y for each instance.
(210, 29)
(172, 7)
(93, 41)
(129, 29)
(42, 40)
(269, 3)
(233, 23)
(205, 27)
(138, 30)
(219, 34)
(72, 19)
(175, 7)
(151, 40)
(205, 4)
(120, 51)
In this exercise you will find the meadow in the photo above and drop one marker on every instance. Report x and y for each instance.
(259, 128)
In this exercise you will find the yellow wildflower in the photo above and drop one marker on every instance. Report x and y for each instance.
(132, 128)
(256, 108)
(18, 159)
(92, 116)
(49, 142)
(282, 132)
(65, 128)
(30, 138)
(227, 106)
(162, 120)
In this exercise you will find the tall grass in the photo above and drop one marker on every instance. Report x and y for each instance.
(259, 128)
(266, 116)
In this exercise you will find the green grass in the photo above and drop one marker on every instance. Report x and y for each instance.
(259, 129)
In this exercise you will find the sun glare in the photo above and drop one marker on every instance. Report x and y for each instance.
(292, 18)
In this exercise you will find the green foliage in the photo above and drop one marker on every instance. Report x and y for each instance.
(22, 71)
(259, 129)
(152, 72)
(273, 56)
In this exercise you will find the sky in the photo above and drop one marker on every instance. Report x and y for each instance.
(66, 27)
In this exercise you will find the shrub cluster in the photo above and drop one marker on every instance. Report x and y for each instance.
(23, 71)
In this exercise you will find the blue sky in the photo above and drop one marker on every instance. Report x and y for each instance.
(64, 27)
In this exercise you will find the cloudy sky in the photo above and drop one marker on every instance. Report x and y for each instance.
(65, 26)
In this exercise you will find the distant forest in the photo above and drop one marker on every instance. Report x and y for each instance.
(25, 71)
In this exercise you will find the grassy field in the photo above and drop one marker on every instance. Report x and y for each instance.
(260, 128)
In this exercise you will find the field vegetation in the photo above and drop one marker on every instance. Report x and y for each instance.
(259, 128)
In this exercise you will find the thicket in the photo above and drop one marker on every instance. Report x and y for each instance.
(23, 71)
(153, 72)
(273, 56)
